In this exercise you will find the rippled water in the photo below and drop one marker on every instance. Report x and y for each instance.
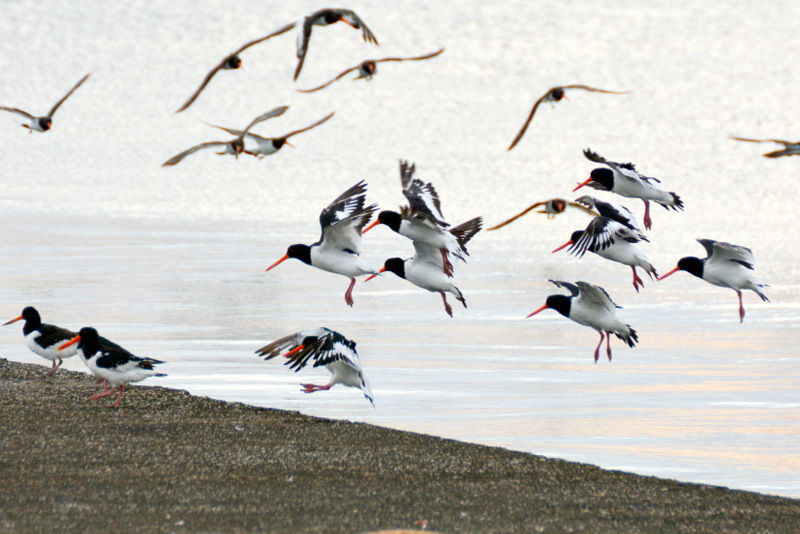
(170, 262)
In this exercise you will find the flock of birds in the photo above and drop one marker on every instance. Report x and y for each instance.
(613, 234)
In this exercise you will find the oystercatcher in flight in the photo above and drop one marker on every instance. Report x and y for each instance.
(42, 124)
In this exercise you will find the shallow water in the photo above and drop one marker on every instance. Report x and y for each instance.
(170, 262)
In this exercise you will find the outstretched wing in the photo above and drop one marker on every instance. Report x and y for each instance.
(415, 58)
(327, 349)
(572, 288)
(428, 254)
(18, 111)
(326, 84)
(518, 215)
(422, 197)
(592, 89)
(780, 141)
(55, 107)
(174, 160)
(720, 251)
(344, 218)
(601, 233)
(355, 20)
(276, 33)
(323, 119)
(591, 294)
(529, 119)
(583, 208)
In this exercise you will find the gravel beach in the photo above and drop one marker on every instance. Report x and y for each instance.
(167, 461)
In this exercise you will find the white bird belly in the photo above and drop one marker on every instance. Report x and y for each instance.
(51, 353)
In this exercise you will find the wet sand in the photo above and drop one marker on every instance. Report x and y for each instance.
(167, 461)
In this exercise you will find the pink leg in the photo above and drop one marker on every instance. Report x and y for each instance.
(311, 388)
(119, 397)
(597, 350)
(348, 295)
(608, 345)
(105, 393)
(55, 366)
(447, 307)
(636, 280)
(647, 222)
(448, 267)
(101, 380)
(741, 307)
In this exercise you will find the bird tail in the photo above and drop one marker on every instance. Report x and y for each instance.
(367, 391)
(677, 203)
(757, 289)
(465, 231)
(631, 338)
(459, 296)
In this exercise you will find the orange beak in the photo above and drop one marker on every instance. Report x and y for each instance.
(581, 185)
(71, 342)
(568, 243)
(294, 351)
(290, 144)
(673, 271)
(283, 259)
(383, 270)
(370, 227)
(537, 311)
(13, 320)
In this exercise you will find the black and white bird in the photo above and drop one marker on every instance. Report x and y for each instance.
(45, 339)
(591, 306)
(422, 220)
(234, 146)
(551, 208)
(325, 348)
(266, 146)
(622, 179)
(790, 148)
(111, 362)
(611, 210)
(232, 61)
(325, 17)
(367, 69)
(725, 265)
(425, 270)
(339, 248)
(44, 123)
(554, 94)
(613, 241)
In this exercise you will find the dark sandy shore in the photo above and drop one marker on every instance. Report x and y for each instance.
(170, 462)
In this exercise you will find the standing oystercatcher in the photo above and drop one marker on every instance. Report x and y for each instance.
(425, 270)
(422, 220)
(338, 249)
(45, 339)
(613, 241)
(325, 17)
(42, 124)
(622, 179)
(325, 348)
(111, 362)
(725, 265)
(554, 94)
(594, 308)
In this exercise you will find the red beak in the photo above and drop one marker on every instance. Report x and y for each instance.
(370, 227)
(673, 271)
(284, 258)
(71, 342)
(568, 243)
(537, 311)
(582, 184)
(383, 270)
(13, 320)
(294, 351)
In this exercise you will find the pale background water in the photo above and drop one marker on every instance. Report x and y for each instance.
(170, 262)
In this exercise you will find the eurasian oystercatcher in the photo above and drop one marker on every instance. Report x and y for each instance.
(422, 220)
(338, 249)
(268, 146)
(615, 212)
(551, 208)
(367, 69)
(554, 94)
(324, 17)
(325, 348)
(111, 362)
(725, 265)
(594, 308)
(234, 146)
(42, 124)
(425, 270)
(789, 148)
(622, 179)
(45, 339)
(613, 241)
(232, 61)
